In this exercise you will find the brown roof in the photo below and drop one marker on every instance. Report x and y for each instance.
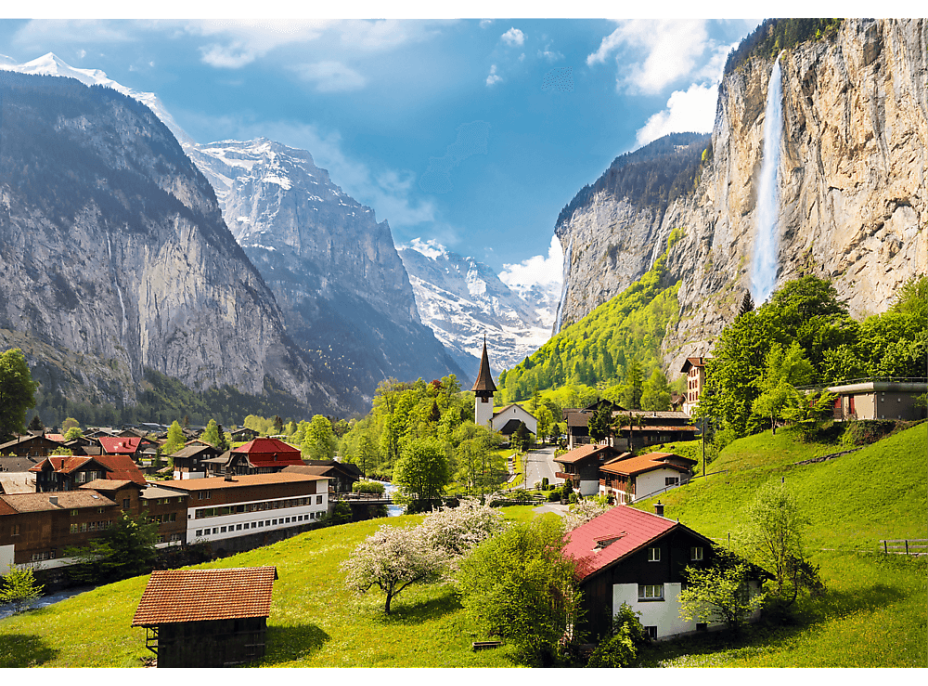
(107, 484)
(66, 500)
(484, 380)
(217, 482)
(6, 509)
(656, 427)
(585, 452)
(693, 362)
(646, 463)
(315, 470)
(199, 595)
(578, 418)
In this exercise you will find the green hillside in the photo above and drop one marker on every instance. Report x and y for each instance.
(875, 613)
(601, 346)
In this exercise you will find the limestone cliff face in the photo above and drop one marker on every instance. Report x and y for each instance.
(114, 257)
(852, 182)
(346, 297)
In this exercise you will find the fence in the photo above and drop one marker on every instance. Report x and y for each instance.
(905, 546)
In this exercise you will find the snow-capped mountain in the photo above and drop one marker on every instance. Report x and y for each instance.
(462, 300)
(52, 65)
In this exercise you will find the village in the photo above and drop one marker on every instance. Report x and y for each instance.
(262, 491)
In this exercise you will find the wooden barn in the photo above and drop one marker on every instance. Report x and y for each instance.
(206, 617)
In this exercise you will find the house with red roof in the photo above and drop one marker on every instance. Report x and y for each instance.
(631, 556)
(626, 479)
(134, 446)
(260, 456)
(65, 473)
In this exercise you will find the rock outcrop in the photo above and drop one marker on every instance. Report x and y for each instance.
(114, 257)
(853, 185)
(346, 297)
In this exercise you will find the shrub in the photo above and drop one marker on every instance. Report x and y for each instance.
(372, 487)
(620, 647)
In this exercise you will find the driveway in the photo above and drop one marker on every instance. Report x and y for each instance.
(538, 465)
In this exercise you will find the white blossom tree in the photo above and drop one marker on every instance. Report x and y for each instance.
(392, 559)
(583, 511)
(456, 531)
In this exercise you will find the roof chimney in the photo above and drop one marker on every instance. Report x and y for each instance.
(659, 508)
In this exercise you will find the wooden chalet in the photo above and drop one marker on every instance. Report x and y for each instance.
(652, 428)
(189, 460)
(260, 456)
(581, 466)
(342, 475)
(136, 447)
(30, 446)
(578, 420)
(206, 617)
(244, 434)
(626, 479)
(630, 556)
(65, 473)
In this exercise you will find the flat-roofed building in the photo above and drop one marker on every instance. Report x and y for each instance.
(225, 508)
(879, 400)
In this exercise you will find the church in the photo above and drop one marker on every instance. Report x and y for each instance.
(506, 420)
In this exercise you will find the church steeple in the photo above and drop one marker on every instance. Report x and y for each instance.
(483, 390)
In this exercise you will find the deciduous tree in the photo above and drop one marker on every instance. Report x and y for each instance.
(720, 592)
(19, 588)
(422, 472)
(17, 393)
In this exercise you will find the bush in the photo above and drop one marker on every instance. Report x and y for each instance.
(620, 647)
(866, 431)
(372, 487)
(554, 495)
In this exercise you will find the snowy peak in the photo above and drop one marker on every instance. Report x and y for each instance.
(462, 299)
(52, 65)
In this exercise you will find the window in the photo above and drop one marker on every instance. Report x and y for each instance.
(83, 527)
(318, 500)
(650, 591)
(654, 554)
(199, 532)
(203, 495)
(671, 480)
(125, 503)
(222, 530)
(696, 553)
(74, 513)
(74, 528)
(16, 530)
(652, 632)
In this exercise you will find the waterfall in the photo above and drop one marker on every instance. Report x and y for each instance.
(764, 266)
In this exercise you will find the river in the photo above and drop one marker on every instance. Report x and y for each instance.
(46, 600)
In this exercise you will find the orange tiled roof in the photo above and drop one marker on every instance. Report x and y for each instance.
(645, 463)
(199, 595)
(584, 452)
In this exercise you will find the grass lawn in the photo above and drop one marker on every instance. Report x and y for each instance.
(314, 622)
(875, 613)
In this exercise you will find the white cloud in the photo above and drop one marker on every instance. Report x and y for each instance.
(485, 23)
(544, 271)
(513, 37)
(330, 76)
(430, 248)
(493, 77)
(550, 55)
(689, 110)
(671, 51)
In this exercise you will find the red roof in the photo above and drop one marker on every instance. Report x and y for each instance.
(119, 445)
(119, 467)
(201, 595)
(631, 529)
(270, 452)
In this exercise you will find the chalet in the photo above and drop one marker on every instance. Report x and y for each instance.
(65, 473)
(342, 475)
(189, 460)
(695, 370)
(625, 480)
(136, 447)
(226, 508)
(15, 476)
(30, 446)
(630, 556)
(578, 421)
(166, 508)
(206, 617)
(260, 456)
(244, 434)
(37, 527)
(878, 400)
(506, 421)
(581, 466)
(641, 428)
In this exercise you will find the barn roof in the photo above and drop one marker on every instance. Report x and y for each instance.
(269, 452)
(176, 596)
(627, 528)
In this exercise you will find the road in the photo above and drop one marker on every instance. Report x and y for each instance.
(538, 465)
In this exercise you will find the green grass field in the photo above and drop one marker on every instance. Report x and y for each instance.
(875, 613)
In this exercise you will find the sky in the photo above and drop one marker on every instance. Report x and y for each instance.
(469, 133)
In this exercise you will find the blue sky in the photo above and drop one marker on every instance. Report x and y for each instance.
(470, 132)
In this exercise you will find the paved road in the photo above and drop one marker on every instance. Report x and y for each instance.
(538, 465)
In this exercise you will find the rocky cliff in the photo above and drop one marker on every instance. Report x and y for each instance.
(852, 183)
(114, 258)
(462, 300)
(333, 268)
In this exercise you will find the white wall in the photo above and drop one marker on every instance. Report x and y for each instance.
(483, 412)
(664, 614)
(515, 412)
(651, 482)
(231, 522)
(589, 487)
(188, 475)
(6, 558)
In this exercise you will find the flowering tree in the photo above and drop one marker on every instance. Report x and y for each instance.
(392, 559)
(456, 531)
(583, 511)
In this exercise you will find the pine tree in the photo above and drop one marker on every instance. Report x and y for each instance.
(747, 304)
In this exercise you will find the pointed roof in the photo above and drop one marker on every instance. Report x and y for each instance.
(484, 380)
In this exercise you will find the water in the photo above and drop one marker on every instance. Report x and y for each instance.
(46, 600)
(388, 490)
(764, 266)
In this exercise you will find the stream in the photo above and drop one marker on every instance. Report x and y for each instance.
(46, 600)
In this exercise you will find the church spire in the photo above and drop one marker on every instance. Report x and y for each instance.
(484, 384)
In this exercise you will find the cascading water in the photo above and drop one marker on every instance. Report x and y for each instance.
(566, 272)
(764, 266)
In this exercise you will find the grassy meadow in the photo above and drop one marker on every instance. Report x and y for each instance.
(875, 613)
